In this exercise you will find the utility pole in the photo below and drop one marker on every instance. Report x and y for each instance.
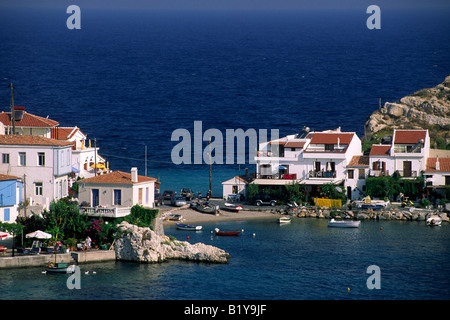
(210, 170)
(13, 113)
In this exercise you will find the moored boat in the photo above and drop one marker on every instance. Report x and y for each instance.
(60, 268)
(188, 227)
(226, 233)
(343, 224)
(233, 207)
(284, 220)
(205, 207)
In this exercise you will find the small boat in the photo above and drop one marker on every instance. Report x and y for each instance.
(434, 221)
(284, 220)
(226, 233)
(188, 227)
(60, 268)
(232, 207)
(205, 207)
(343, 224)
(174, 217)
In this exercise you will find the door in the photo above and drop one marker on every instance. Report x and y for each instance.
(407, 168)
(95, 197)
(140, 196)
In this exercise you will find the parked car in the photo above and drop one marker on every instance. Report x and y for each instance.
(168, 194)
(187, 193)
(159, 199)
(178, 201)
(265, 199)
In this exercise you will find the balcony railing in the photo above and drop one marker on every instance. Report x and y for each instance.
(378, 173)
(322, 174)
(406, 149)
(408, 173)
(106, 212)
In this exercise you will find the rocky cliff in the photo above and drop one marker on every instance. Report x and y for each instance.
(144, 245)
(424, 109)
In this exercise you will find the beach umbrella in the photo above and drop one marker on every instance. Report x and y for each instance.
(3, 235)
(39, 235)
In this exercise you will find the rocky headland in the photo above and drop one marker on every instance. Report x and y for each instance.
(140, 244)
(424, 109)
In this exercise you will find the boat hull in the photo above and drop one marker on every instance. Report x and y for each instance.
(188, 227)
(227, 233)
(284, 220)
(65, 269)
(343, 224)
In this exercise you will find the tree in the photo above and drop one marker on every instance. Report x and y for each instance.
(12, 228)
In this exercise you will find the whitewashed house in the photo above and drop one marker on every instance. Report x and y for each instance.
(27, 123)
(43, 163)
(235, 187)
(437, 172)
(355, 180)
(84, 154)
(312, 159)
(113, 194)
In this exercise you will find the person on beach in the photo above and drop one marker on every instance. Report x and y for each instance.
(87, 243)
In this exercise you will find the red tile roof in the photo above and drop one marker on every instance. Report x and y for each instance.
(28, 120)
(64, 133)
(32, 141)
(380, 150)
(116, 177)
(295, 144)
(409, 136)
(4, 177)
(359, 161)
(444, 165)
(331, 138)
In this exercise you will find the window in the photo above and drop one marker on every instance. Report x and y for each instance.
(38, 188)
(5, 157)
(350, 174)
(117, 197)
(22, 159)
(41, 159)
(329, 147)
(447, 180)
(361, 174)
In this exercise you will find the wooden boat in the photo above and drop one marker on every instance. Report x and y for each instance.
(284, 220)
(174, 217)
(343, 224)
(372, 206)
(60, 268)
(205, 207)
(233, 207)
(188, 227)
(226, 233)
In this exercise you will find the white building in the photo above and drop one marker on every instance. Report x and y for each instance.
(113, 194)
(437, 172)
(312, 159)
(27, 123)
(43, 163)
(235, 187)
(84, 154)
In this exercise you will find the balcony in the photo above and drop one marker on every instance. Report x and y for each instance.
(378, 173)
(106, 212)
(322, 174)
(399, 148)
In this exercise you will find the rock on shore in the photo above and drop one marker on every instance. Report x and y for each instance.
(138, 244)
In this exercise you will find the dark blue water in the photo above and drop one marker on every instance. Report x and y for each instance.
(130, 78)
(302, 260)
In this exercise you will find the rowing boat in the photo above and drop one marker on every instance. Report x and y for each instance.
(188, 227)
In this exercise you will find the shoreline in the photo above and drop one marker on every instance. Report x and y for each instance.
(191, 216)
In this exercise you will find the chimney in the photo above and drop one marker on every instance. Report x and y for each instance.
(134, 174)
(437, 163)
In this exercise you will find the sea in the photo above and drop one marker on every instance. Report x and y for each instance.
(130, 78)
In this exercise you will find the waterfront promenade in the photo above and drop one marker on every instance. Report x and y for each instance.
(40, 260)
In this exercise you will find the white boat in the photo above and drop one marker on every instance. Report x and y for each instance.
(343, 224)
(434, 221)
(188, 227)
(284, 220)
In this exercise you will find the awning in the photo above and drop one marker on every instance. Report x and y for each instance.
(75, 170)
(274, 182)
(317, 182)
